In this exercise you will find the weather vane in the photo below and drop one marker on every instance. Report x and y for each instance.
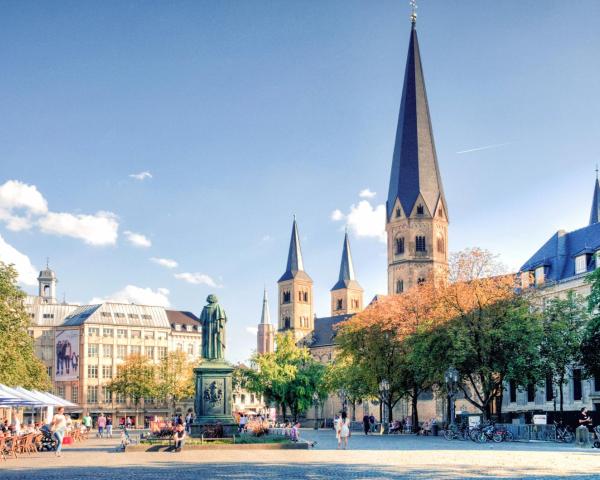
(413, 15)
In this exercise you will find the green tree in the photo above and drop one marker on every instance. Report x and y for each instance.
(564, 323)
(136, 379)
(590, 345)
(287, 377)
(18, 364)
(175, 379)
(343, 374)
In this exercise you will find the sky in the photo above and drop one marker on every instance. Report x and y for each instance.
(157, 151)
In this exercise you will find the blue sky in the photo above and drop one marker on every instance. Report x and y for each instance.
(247, 112)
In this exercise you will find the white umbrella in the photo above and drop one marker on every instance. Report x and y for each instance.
(64, 403)
(47, 398)
(22, 400)
(8, 399)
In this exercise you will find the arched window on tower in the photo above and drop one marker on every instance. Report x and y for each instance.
(420, 243)
(286, 322)
(305, 296)
(286, 297)
(339, 304)
(46, 290)
(420, 209)
(398, 212)
(399, 245)
(441, 244)
(399, 286)
(420, 281)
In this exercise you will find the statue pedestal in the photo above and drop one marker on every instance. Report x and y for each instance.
(213, 399)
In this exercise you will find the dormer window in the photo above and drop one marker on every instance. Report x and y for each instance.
(398, 212)
(581, 264)
(420, 210)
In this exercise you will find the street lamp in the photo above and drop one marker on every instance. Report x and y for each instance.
(384, 388)
(451, 378)
(343, 394)
(315, 398)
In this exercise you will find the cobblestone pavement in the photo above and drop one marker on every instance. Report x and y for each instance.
(375, 457)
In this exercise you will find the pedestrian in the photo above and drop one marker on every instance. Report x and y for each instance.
(366, 424)
(128, 422)
(101, 425)
(372, 422)
(58, 427)
(179, 437)
(344, 430)
(337, 426)
(243, 421)
(188, 421)
(87, 421)
(109, 426)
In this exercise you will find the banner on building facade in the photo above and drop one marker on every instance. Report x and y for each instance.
(66, 355)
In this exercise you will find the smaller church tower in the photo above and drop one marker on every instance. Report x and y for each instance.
(295, 293)
(346, 294)
(47, 285)
(266, 332)
(595, 213)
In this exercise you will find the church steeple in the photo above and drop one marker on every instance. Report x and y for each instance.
(416, 210)
(265, 337)
(595, 213)
(265, 318)
(295, 264)
(346, 294)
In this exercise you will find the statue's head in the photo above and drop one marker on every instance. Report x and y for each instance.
(212, 299)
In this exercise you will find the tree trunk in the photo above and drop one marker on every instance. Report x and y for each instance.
(415, 411)
(499, 400)
(487, 410)
(561, 395)
(390, 412)
(353, 403)
(283, 411)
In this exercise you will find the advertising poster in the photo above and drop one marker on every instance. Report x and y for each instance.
(66, 355)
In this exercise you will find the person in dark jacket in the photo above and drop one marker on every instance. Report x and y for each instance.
(366, 424)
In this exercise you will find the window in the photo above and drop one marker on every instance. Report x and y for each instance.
(597, 382)
(93, 349)
(46, 334)
(190, 349)
(286, 322)
(420, 209)
(161, 336)
(530, 392)
(150, 352)
(399, 245)
(119, 315)
(162, 352)
(93, 332)
(136, 334)
(441, 244)
(549, 388)
(60, 391)
(121, 351)
(121, 333)
(398, 212)
(106, 395)
(252, 398)
(136, 349)
(512, 387)
(106, 371)
(577, 386)
(420, 243)
(243, 400)
(147, 317)
(420, 281)
(539, 275)
(49, 372)
(179, 347)
(107, 351)
(399, 286)
(120, 398)
(108, 332)
(305, 295)
(48, 315)
(92, 371)
(92, 394)
(133, 315)
(75, 393)
(286, 297)
(47, 351)
(106, 314)
(581, 264)
(149, 335)
(339, 304)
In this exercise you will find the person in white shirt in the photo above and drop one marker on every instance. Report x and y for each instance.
(58, 426)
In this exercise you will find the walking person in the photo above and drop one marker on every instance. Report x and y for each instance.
(337, 425)
(109, 427)
(372, 422)
(344, 430)
(58, 427)
(101, 425)
(366, 424)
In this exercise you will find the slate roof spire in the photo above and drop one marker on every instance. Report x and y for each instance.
(266, 316)
(595, 213)
(346, 277)
(414, 166)
(295, 265)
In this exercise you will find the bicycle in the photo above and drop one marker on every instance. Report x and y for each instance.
(563, 433)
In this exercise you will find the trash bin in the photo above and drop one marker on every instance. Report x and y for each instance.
(435, 429)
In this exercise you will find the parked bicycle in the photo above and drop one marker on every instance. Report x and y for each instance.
(456, 432)
(563, 433)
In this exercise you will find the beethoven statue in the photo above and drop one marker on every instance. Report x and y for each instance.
(213, 321)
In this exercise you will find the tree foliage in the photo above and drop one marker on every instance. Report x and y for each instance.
(175, 378)
(18, 364)
(590, 345)
(135, 379)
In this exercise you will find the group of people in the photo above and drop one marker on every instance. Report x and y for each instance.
(341, 424)
(369, 424)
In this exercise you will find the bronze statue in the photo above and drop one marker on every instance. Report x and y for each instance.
(213, 321)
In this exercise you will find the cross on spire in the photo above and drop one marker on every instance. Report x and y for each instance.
(413, 14)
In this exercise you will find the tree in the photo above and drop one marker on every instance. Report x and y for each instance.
(343, 374)
(19, 365)
(590, 345)
(564, 322)
(175, 381)
(136, 379)
(288, 377)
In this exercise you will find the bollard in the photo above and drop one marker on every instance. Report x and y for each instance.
(582, 437)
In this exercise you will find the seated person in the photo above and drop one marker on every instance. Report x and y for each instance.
(396, 427)
(179, 437)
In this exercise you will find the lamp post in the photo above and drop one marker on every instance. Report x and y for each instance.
(342, 394)
(315, 398)
(451, 378)
(384, 388)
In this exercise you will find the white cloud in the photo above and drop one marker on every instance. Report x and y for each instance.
(252, 330)
(164, 262)
(141, 176)
(364, 220)
(337, 215)
(97, 230)
(16, 195)
(16, 223)
(9, 254)
(137, 295)
(197, 279)
(137, 239)
(366, 193)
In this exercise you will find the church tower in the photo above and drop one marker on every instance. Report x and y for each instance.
(47, 285)
(266, 332)
(595, 213)
(416, 210)
(295, 292)
(346, 294)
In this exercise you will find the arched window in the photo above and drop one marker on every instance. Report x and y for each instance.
(286, 297)
(441, 244)
(46, 290)
(399, 245)
(399, 286)
(420, 243)
(306, 296)
(398, 212)
(286, 322)
(420, 210)
(421, 281)
(339, 304)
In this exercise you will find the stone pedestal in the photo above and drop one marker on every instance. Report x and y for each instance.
(213, 399)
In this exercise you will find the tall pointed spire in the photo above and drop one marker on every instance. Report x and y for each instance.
(414, 167)
(595, 213)
(266, 316)
(295, 265)
(346, 278)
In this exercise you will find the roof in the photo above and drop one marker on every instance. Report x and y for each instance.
(324, 332)
(414, 165)
(558, 253)
(295, 265)
(179, 317)
(347, 277)
(127, 314)
(595, 213)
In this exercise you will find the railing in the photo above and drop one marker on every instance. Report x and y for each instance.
(529, 432)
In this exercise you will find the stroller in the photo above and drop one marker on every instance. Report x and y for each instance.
(596, 436)
(48, 442)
